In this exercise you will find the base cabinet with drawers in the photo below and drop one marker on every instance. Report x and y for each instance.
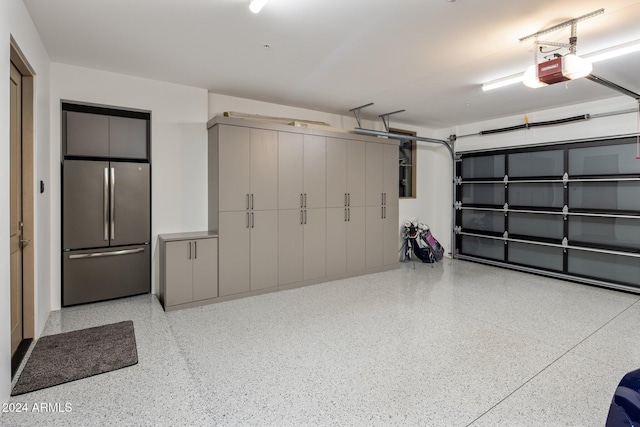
(188, 269)
(310, 205)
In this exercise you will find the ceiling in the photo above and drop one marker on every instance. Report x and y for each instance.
(429, 57)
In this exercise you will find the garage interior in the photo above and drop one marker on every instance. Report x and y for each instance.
(518, 127)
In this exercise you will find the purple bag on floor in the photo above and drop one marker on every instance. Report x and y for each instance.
(436, 247)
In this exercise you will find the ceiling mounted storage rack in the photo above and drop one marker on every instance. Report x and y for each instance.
(356, 112)
(385, 118)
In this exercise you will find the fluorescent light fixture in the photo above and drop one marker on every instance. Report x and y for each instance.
(257, 5)
(613, 52)
(594, 57)
(505, 81)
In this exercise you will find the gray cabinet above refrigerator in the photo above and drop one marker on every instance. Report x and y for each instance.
(98, 135)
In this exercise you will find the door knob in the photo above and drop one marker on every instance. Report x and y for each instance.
(24, 243)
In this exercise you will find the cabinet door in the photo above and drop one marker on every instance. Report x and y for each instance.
(86, 134)
(315, 171)
(290, 233)
(356, 232)
(178, 273)
(336, 241)
(356, 167)
(391, 227)
(391, 173)
(391, 235)
(264, 169)
(128, 138)
(234, 168)
(373, 236)
(315, 244)
(290, 166)
(234, 255)
(264, 257)
(337, 172)
(374, 174)
(205, 268)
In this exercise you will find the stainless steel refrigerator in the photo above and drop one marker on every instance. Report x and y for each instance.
(106, 230)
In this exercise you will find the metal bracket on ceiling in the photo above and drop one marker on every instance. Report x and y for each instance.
(573, 40)
(570, 22)
(356, 112)
(385, 118)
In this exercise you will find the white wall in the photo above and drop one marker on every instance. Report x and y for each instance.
(15, 22)
(178, 149)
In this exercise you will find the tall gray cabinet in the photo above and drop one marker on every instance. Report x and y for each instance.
(247, 208)
(294, 206)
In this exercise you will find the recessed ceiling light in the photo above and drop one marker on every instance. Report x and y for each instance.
(256, 5)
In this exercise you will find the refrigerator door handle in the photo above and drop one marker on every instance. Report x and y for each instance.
(113, 204)
(103, 254)
(105, 202)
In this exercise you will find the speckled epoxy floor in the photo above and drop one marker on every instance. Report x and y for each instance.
(460, 344)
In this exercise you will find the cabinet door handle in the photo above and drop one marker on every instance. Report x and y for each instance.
(349, 214)
(247, 219)
(382, 198)
(301, 217)
(348, 199)
(247, 201)
(189, 250)
(382, 212)
(345, 214)
(345, 199)
(305, 217)
(195, 250)
(252, 220)
(305, 200)
(251, 201)
(385, 212)
(301, 201)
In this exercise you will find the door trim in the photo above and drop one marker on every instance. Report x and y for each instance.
(28, 189)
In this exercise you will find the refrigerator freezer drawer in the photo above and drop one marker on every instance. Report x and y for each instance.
(99, 275)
